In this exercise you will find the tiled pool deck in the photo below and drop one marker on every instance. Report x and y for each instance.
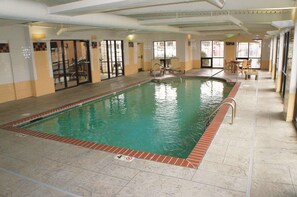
(256, 156)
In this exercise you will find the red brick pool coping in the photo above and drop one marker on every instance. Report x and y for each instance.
(192, 161)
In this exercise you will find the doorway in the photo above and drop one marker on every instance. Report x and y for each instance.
(112, 59)
(140, 61)
(70, 63)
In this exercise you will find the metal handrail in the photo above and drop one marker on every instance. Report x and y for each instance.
(214, 74)
(235, 104)
(222, 104)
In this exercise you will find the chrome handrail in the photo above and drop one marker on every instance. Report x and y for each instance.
(235, 103)
(233, 107)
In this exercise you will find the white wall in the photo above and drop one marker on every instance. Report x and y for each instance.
(18, 38)
(6, 74)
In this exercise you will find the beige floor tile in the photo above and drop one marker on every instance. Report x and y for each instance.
(47, 192)
(178, 172)
(272, 173)
(275, 156)
(293, 171)
(92, 160)
(260, 189)
(51, 172)
(119, 171)
(13, 164)
(90, 183)
(154, 185)
(220, 180)
(223, 169)
(11, 185)
(212, 157)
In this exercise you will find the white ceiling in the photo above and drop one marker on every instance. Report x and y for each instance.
(198, 16)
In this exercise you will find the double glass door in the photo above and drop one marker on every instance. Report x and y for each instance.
(70, 63)
(112, 59)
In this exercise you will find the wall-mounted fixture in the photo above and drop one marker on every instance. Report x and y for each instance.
(26, 50)
(36, 37)
(130, 37)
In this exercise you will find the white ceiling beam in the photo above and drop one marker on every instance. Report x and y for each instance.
(80, 6)
(282, 24)
(218, 3)
(211, 28)
(192, 20)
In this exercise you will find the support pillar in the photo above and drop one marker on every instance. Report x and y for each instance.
(280, 62)
(44, 82)
(274, 58)
(95, 66)
(271, 55)
(289, 104)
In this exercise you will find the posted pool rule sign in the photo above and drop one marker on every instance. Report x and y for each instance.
(124, 158)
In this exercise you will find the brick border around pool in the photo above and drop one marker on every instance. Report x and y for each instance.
(192, 161)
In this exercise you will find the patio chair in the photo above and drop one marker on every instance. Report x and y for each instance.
(176, 67)
(245, 66)
(227, 65)
(156, 67)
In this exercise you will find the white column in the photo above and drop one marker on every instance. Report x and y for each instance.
(293, 80)
(274, 56)
(271, 55)
(281, 53)
(289, 104)
(280, 62)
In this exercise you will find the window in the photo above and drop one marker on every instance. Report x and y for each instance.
(164, 50)
(250, 50)
(212, 54)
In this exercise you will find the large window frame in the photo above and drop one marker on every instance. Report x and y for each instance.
(212, 53)
(164, 50)
(244, 51)
(112, 59)
(70, 63)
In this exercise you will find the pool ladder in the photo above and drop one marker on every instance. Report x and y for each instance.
(231, 103)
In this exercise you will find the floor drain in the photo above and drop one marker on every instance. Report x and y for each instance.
(21, 135)
(26, 114)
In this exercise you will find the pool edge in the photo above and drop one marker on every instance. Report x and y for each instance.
(192, 161)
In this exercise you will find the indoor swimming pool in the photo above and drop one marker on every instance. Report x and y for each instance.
(165, 117)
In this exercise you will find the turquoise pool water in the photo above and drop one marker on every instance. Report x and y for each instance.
(166, 118)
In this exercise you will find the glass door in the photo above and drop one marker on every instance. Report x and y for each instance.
(112, 62)
(62, 68)
(83, 61)
(70, 63)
